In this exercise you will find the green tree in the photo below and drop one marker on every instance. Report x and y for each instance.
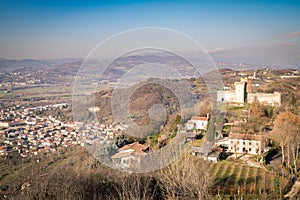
(122, 140)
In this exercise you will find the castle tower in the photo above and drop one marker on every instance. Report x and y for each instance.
(240, 92)
(248, 81)
(249, 85)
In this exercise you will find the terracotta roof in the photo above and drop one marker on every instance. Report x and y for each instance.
(122, 154)
(245, 136)
(137, 147)
(199, 118)
(131, 149)
(3, 147)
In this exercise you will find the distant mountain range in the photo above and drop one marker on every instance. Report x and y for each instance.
(14, 65)
(7, 66)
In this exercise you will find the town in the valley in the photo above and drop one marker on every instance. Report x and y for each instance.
(255, 113)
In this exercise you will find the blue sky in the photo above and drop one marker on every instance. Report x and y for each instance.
(64, 28)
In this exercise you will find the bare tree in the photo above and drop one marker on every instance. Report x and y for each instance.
(286, 134)
(135, 187)
(188, 178)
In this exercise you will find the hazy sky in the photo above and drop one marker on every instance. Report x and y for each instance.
(262, 30)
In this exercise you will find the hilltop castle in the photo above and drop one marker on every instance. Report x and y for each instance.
(243, 94)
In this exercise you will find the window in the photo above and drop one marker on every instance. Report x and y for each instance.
(250, 149)
(249, 143)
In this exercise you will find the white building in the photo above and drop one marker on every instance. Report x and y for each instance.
(243, 94)
(199, 123)
(130, 154)
(190, 125)
(247, 143)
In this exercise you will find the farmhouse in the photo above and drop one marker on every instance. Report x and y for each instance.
(130, 154)
(199, 123)
(247, 143)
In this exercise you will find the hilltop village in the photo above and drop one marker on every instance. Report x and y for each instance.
(30, 131)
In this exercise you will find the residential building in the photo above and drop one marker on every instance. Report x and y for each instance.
(247, 143)
(130, 154)
(199, 123)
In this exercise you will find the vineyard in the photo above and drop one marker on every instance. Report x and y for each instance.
(236, 178)
(230, 178)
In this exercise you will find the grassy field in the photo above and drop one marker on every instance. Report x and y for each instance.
(197, 143)
(36, 92)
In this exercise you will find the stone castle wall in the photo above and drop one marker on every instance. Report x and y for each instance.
(265, 98)
(226, 96)
(243, 94)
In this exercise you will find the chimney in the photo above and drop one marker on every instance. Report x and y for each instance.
(207, 115)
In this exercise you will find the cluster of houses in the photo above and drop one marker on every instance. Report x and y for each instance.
(24, 132)
(232, 144)
(97, 133)
(19, 79)
(131, 154)
(44, 136)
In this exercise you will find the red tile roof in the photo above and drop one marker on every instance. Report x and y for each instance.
(131, 149)
(199, 118)
(137, 147)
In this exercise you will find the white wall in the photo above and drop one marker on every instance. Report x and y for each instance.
(265, 98)
(239, 92)
(189, 126)
(251, 146)
(226, 96)
(200, 124)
